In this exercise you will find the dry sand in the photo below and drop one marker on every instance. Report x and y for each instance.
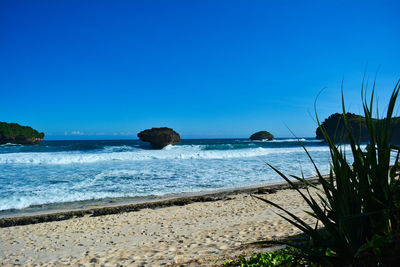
(196, 234)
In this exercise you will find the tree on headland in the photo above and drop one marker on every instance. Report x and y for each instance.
(336, 130)
(15, 133)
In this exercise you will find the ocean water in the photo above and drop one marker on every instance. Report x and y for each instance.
(70, 171)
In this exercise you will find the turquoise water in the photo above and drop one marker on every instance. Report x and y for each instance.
(68, 171)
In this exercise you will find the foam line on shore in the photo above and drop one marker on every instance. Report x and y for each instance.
(150, 204)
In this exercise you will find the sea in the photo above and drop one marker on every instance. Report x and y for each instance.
(67, 173)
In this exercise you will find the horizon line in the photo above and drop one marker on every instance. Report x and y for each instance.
(196, 138)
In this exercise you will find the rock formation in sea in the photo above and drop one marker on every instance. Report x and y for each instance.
(262, 135)
(159, 137)
(334, 126)
(16, 134)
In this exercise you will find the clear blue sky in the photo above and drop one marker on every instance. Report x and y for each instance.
(108, 69)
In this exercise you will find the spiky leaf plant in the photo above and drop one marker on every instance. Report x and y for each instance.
(357, 205)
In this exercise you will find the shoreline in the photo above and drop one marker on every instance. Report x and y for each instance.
(196, 231)
(133, 206)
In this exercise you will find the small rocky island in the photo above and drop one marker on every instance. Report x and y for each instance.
(16, 134)
(262, 135)
(159, 137)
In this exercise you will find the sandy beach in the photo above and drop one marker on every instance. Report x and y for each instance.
(193, 234)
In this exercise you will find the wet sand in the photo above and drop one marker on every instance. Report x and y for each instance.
(174, 232)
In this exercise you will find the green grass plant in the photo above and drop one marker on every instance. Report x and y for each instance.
(283, 257)
(357, 206)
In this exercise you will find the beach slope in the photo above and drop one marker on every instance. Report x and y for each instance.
(196, 233)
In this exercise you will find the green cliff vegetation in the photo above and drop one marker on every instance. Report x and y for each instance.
(336, 130)
(17, 134)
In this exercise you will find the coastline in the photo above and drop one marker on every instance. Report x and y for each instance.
(130, 205)
(70, 175)
(200, 230)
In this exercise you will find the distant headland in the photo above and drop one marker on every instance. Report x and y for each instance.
(16, 134)
(334, 126)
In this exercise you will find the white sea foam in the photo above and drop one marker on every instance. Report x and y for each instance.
(287, 140)
(56, 196)
(172, 152)
(9, 144)
(294, 140)
(37, 178)
(119, 148)
(77, 182)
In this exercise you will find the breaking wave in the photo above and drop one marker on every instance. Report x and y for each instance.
(134, 154)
